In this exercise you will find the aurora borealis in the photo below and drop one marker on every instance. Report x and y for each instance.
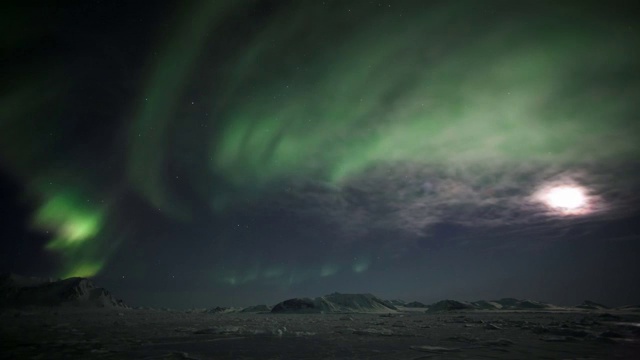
(221, 151)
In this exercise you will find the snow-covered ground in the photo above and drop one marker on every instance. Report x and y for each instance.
(73, 319)
(117, 333)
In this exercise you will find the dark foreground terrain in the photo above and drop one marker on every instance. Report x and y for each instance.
(64, 333)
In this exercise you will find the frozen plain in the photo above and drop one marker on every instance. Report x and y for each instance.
(116, 333)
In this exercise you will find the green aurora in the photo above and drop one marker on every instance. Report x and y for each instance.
(299, 102)
(327, 91)
(74, 228)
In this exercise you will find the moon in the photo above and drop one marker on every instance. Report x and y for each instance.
(567, 199)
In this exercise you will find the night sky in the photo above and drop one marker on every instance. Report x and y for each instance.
(196, 154)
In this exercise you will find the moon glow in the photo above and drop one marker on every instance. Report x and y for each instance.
(564, 199)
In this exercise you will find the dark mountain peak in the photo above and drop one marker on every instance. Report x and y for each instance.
(30, 291)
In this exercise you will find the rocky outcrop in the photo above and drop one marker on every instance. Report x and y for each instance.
(20, 291)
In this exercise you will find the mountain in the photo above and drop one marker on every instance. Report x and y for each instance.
(516, 304)
(28, 291)
(486, 305)
(590, 305)
(450, 305)
(256, 308)
(10, 280)
(395, 302)
(415, 304)
(223, 310)
(297, 305)
(335, 303)
(502, 304)
(634, 308)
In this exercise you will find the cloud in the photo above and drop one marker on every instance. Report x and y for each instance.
(394, 198)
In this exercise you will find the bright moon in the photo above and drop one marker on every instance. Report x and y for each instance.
(566, 197)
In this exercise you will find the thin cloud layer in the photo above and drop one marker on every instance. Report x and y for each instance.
(412, 198)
